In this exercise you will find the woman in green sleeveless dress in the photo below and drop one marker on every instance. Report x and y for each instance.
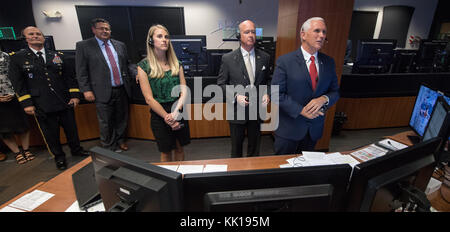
(158, 74)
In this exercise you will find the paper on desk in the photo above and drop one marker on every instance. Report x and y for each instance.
(185, 169)
(301, 161)
(8, 209)
(338, 158)
(170, 167)
(99, 207)
(370, 152)
(74, 208)
(32, 200)
(309, 155)
(392, 144)
(215, 168)
(286, 165)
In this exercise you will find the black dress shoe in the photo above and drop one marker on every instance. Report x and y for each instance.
(61, 165)
(81, 153)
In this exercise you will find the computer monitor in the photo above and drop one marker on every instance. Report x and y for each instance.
(431, 56)
(438, 125)
(127, 184)
(374, 56)
(423, 107)
(319, 188)
(191, 51)
(215, 60)
(403, 61)
(382, 183)
(7, 33)
(259, 32)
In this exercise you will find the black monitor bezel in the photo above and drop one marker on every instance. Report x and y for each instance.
(444, 130)
(102, 157)
(414, 106)
(338, 175)
(366, 171)
(359, 65)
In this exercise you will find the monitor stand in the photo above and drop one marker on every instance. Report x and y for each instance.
(414, 139)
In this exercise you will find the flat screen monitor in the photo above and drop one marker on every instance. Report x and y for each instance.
(127, 184)
(381, 183)
(7, 33)
(259, 32)
(215, 60)
(319, 188)
(423, 107)
(374, 56)
(403, 60)
(431, 55)
(438, 125)
(191, 51)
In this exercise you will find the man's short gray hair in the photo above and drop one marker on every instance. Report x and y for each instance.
(307, 24)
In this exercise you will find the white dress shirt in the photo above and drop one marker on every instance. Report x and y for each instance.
(43, 53)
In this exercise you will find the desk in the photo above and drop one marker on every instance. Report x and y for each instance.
(63, 189)
(383, 100)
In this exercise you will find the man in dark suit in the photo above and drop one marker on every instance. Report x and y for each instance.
(242, 72)
(308, 85)
(46, 87)
(102, 74)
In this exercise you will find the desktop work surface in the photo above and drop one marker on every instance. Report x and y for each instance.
(64, 193)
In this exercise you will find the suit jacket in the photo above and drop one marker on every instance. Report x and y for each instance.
(48, 87)
(295, 91)
(93, 73)
(233, 72)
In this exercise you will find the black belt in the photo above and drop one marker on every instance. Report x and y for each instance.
(117, 87)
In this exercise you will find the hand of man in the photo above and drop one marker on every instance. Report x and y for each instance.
(242, 100)
(312, 109)
(89, 96)
(74, 102)
(30, 110)
(6, 98)
(265, 100)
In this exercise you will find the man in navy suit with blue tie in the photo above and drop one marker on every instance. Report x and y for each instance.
(307, 85)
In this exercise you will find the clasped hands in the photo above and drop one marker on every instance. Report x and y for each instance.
(171, 120)
(243, 101)
(312, 109)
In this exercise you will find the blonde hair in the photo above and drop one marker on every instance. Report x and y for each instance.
(156, 70)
